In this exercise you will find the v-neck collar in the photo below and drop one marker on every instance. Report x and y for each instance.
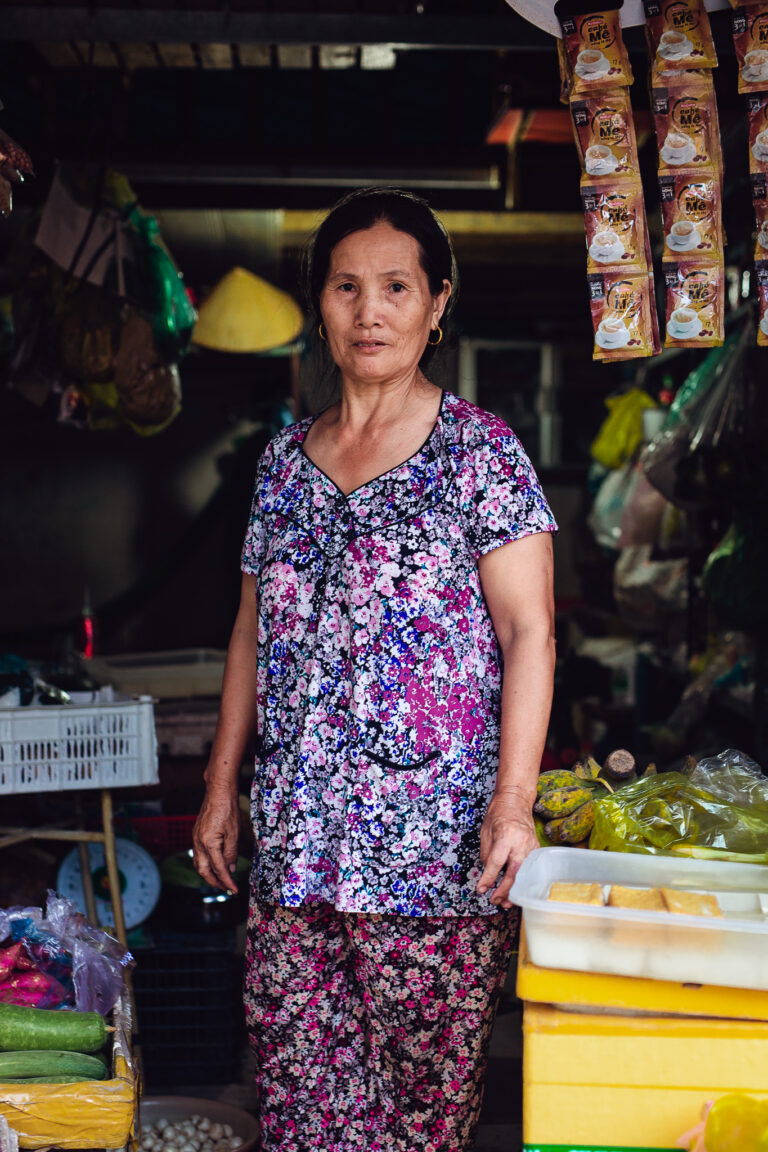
(382, 475)
(300, 491)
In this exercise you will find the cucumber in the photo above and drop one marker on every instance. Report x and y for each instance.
(20, 1065)
(24, 1028)
(43, 1080)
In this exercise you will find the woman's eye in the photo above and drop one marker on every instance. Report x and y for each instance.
(396, 287)
(346, 287)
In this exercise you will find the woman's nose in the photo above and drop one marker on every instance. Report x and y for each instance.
(367, 313)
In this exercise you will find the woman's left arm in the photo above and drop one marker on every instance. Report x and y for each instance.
(517, 583)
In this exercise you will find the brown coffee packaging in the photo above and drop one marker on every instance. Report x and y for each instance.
(691, 211)
(687, 127)
(749, 24)
(679, 34)
(565, 75)
(760, 205)
(595, 53)
(761, 272)
(655, 333)
(614, 219)
(621, 308)
(605, 135)
(695, 298)
(661, 75)
(757, 119)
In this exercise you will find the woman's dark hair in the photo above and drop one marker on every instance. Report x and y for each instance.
(360, 210)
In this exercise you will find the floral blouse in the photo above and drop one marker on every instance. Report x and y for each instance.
(379, 672)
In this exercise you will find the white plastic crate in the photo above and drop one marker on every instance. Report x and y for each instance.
(68, 746)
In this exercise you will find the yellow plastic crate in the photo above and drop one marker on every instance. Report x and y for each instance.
(610, 1083)
(92, 1114)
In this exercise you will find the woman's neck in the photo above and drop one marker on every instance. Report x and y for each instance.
(367, 408)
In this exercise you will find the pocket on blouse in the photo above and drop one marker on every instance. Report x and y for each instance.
(398, 812)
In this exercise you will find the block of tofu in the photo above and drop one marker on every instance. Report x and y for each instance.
(690, 903)
(571, 893)
(646, 899)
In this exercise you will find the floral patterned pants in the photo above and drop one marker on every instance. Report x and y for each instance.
(371, 1031)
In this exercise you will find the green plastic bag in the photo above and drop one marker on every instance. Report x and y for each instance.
(671, 814)
(621, 433)
(170, 309)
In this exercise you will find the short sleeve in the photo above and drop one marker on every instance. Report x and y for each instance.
(254, 546)
(502, 498)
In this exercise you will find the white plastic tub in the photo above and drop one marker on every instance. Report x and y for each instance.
(731, 950)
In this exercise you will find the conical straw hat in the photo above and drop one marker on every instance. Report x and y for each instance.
(246, 314)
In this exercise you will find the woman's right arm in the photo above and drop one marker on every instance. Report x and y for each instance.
(216, 830)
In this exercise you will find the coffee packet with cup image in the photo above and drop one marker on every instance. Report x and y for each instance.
(757, 119)
(614, 219)
(687, 126)
(621, 307)
(695, 300)
(595, 53)
(679, 34)
(605, 135)
(749, 25)
(761, 275)
(691, 211)
(760, 205)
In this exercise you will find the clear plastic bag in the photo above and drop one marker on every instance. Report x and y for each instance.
(676, 814)
(98, 959)
(647, 590)
(734, 777)
(82, 964)
(643, 513)
(607, 512)
(698, 458)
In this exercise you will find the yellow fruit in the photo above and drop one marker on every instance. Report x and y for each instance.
(561, 802)
(574, 828)
(557, 778)
(588, 769)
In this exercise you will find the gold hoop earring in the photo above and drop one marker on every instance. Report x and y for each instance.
(320, 332)
(434, 343)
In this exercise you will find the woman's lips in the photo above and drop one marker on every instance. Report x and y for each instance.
(369, 345)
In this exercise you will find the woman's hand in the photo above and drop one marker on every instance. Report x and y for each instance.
(507, 836)
(214, 837)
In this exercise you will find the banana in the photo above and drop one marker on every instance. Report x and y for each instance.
(559, 802)
(574, 828)
(587, 769)
(557, 778)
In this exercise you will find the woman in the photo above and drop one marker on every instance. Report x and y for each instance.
(398, 557)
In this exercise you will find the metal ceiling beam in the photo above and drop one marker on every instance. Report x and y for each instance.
(119, 25)
(486, 179)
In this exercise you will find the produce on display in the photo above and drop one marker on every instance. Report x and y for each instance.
(197, 1134)
(50, 1065)
(57, 959)
(39, 1029)
(564, 809)
(707, 815)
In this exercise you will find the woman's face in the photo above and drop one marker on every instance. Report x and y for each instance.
(376, 305)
